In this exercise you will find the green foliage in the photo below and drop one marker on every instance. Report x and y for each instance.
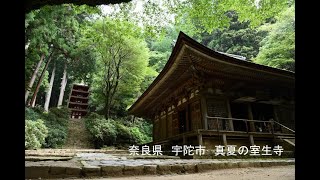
(121, 66)
(103, 131)
(196, 16)
(137, 136)
(161, 49)
(35, 134)
(118, 132)
(57, 122)
(56, 136)
(238, 39)
(123, 132)
(31, 114)
(145, 128)
(38, 109)
(62, 112)
(47, 32)
(278, 48)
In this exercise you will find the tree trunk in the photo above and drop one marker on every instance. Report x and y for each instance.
(48, 94)
(33, 78)
(34, 102)
(40, 80)
(63, 85)
(107, 106)
(107, 112)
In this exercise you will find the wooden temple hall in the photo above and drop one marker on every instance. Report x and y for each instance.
(205, 97)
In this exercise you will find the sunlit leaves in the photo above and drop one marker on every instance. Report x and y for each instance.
(278, 48)
(195, 16)
(117, 41)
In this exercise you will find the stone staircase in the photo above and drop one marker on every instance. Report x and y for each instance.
(78, 136)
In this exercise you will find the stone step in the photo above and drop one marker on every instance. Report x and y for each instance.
(48, 158)
(78, 137)
(90, 169)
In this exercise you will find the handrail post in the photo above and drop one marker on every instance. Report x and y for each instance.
(218, 130)
(217, 124)
(272, 128)
(246, 125)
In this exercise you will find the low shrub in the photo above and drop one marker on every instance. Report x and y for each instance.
(120, 132)
(35, 134)
(124, 134)
(56, 137)
(30, 114)
(38, 109)
(57, 122)
(102, 131)
(137, 136)
(62, 112)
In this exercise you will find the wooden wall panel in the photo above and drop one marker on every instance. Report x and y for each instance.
(156, 134)
(196, 121)
(163, 127)
(217, 107)
(286, 116)
(169, 125)
(175, 123)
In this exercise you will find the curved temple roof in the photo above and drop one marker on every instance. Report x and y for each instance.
(189, 53)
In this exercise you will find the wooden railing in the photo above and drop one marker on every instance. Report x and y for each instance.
(246, 125)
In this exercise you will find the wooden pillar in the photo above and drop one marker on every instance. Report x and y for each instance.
(187, 117)
(169, 124)
(200, 142)
(204, 112)
(275, 117)
(250, 115)
(224, 138)
(230, 115)
(166, 125)
(164, 135)
(251, 139)
(153, 128)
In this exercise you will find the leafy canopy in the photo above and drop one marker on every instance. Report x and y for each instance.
(278, 48)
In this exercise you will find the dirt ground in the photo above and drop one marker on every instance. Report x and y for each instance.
(270, 173)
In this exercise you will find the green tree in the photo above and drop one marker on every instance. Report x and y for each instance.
(278, 48)
(196, 16)
(122, 62)
(161, 48)
(238, 39)
(47, 32)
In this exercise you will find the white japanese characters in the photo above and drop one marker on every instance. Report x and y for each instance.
(243, 150)
(189, 150)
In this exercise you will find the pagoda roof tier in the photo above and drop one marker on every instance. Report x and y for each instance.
(79, 97)
(78, 110)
